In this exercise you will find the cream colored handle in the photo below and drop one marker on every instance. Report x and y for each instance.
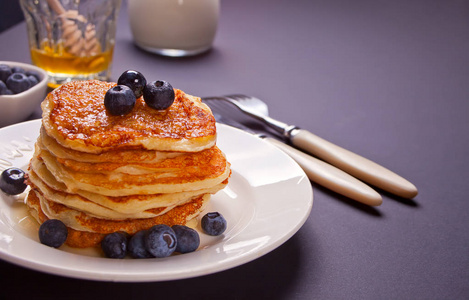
(354, 164)
(330, 177)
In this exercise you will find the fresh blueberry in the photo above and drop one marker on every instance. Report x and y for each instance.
(119, 100)
(134, 80)
(187, 239)
(18, 82)
(12, 181)
(114, 245)
(53, 233)
(33, 73)
(213, 223)
(5, 72)
(3, 88)
(160, 241)
(137, 245)
(18, 70)
(33, 80)
(158, 94)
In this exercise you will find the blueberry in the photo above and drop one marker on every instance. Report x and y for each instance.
(114, 245)
(34, 74)
(33, 80)
(18, 70)
(18, 82)
(160, 241)
(213, 223)
(158, 94)
(187, 239)
(5, 72)
(53, 233)
(12, 181)
(3, 88)
(134, 80)
(137, 245)
(119, 100)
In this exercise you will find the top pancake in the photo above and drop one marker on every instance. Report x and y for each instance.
(75, 116)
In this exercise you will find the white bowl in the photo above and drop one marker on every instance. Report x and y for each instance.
(17, 108)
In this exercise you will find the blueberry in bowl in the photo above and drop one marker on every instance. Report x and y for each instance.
(22, 89)
(18, 82)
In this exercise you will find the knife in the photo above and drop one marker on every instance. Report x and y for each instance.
(318, 171)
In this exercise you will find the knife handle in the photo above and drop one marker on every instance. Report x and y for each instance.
(354, 164)
(330, 177)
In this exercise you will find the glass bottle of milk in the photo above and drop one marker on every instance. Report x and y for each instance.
(174, 27)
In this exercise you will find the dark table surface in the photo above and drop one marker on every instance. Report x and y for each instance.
(386, 79)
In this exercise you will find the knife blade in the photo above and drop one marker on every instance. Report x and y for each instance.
(317, 170)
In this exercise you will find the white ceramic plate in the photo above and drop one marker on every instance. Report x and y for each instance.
(266, 201)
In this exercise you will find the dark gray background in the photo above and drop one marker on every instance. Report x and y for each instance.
(385, 79)
(10, 14)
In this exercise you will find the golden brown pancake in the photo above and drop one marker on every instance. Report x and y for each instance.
(75, 116)
(96, 228)
(193, 174)
(131, 156)
(93, 208)
(123, 207)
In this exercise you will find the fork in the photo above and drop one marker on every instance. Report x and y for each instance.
(354, 164)
(317, 170)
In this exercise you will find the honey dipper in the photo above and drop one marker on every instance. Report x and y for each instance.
(75, 43)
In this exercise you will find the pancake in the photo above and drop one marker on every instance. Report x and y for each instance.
(94, 229)
(99, 173)
(131, 156)
(75, 116)
(206, 162)
(124, 207)
(191, 176)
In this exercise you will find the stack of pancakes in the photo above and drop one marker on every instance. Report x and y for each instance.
(100, 173)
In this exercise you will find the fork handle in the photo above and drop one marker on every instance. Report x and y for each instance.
(330, 177)
(353, 164)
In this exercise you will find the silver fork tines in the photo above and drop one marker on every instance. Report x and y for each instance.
(250, 103)
(253, 107)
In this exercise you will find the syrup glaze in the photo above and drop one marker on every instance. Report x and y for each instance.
(78, 113)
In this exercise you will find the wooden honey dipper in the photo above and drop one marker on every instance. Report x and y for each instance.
(75, 42)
